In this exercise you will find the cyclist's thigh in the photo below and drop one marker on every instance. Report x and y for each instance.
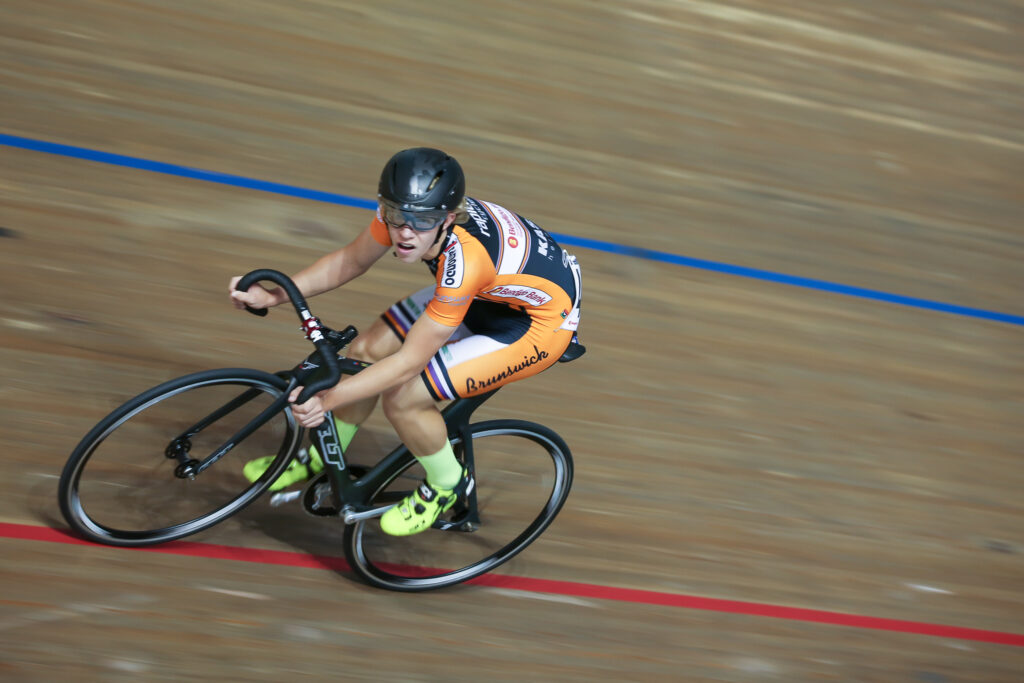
(411, 395)
(480, 363)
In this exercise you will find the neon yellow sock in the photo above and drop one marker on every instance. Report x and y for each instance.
(345, 434)
(443, 469)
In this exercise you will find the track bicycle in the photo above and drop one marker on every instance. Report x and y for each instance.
(167, 464)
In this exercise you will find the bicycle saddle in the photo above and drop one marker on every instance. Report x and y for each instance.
(574, 351)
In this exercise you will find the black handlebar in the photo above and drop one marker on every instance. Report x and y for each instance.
(310, 325)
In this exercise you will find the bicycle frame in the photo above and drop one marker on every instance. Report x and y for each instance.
(349, 495)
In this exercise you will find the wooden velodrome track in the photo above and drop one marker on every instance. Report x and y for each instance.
(775, 481)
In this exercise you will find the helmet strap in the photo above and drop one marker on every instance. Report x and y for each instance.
(447, 231)
(437, 238)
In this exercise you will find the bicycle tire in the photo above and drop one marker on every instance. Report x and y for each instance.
(126, 487)
(396, 563)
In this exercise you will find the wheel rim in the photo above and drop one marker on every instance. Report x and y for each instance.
(122, 489)
(513, 514)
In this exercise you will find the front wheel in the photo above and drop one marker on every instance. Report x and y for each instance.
(128, 481)
(523, 475)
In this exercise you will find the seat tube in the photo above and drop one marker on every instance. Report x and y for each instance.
(457, 414)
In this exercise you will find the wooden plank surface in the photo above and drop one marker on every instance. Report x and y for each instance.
(735, 438)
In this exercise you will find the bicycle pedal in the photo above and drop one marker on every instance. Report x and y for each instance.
(283, 498)
(455, 525)
(459, 519)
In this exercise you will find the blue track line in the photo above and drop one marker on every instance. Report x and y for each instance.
(183, 171)
(567, 240)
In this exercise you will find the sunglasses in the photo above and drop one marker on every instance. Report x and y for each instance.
(420, 221)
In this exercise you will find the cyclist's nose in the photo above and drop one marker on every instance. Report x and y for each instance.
(406, 232)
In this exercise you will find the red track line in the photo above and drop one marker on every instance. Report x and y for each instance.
(568, 588)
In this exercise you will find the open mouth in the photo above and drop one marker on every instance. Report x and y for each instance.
(404, 247)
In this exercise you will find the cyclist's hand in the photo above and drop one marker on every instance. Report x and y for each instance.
(309, 414)
(256, 297)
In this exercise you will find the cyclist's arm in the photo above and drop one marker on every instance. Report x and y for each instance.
(335, 269)
(327, 273)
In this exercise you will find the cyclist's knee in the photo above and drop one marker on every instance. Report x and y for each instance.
(361, 349)
(405, 399)
(375, 344)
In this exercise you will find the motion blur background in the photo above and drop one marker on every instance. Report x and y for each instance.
(736, 436)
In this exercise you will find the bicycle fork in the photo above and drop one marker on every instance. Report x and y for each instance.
(180, 446)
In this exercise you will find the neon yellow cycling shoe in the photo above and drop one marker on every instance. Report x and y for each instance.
(421, 508)
(302, 467)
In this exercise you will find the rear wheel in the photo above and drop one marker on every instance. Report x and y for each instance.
(523, 475)
(127, 483)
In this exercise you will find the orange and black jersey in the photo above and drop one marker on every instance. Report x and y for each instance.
(501, 257)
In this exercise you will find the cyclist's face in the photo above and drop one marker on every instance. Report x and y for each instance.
(415, 245)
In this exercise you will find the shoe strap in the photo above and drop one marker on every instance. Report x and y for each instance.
(427, 492)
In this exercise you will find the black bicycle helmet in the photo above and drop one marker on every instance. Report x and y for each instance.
(422, 179)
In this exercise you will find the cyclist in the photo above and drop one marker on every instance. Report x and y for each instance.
(505, 305)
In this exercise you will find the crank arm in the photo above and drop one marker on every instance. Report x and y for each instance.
(351, 516)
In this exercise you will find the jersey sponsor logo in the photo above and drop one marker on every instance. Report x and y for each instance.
(453, 264)
(515, 240)
(476, 384)
(513, 233)
(542, 238)
(478, 216)
(530, 295)
(504, 218)
(453, 300)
